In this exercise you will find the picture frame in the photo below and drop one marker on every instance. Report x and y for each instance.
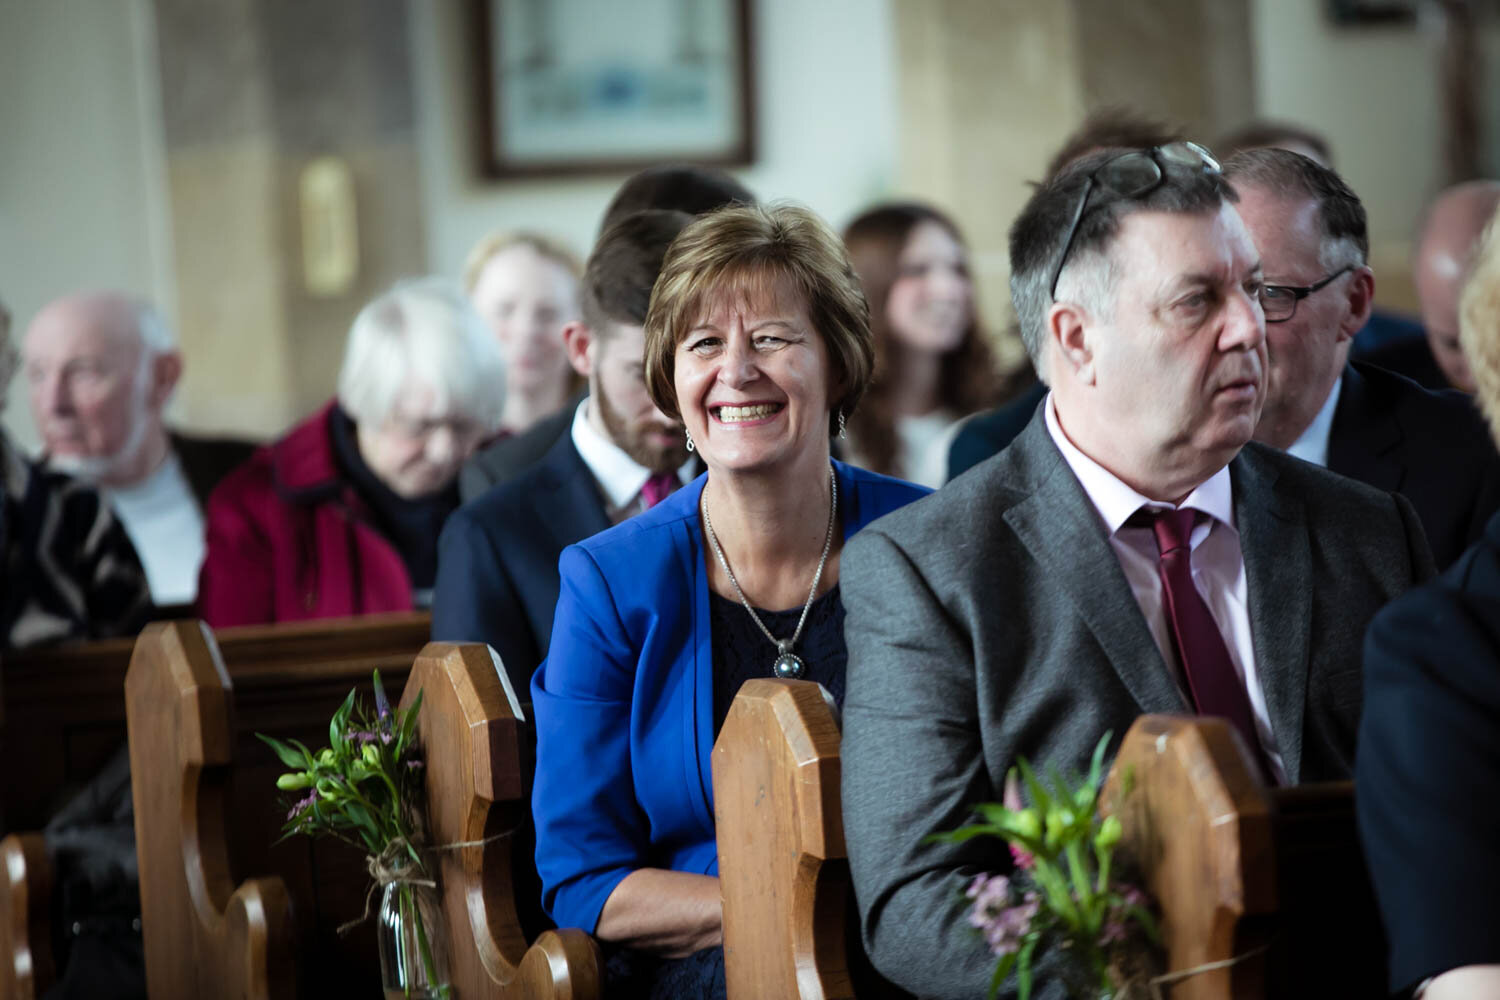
(606, 86)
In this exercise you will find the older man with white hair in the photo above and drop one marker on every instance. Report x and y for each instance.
(100, 368)
(70, 571)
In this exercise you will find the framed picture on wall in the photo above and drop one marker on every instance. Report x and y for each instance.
(586, 86)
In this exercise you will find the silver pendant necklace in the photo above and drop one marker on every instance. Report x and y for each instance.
(788, 664)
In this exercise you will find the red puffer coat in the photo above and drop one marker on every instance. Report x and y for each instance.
(288, 539)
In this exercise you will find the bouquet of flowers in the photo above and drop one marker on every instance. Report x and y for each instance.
(365, 788)
(1065, 892)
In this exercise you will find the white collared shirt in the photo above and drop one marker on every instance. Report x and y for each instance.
(1312, 444)
(1217, 561)
(161, 516)
(618, 476)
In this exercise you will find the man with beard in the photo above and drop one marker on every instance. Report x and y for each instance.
(497, 576)
(100, 368)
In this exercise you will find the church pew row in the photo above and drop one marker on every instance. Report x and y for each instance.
(1271, 877)
(203, 927)
(64, 713)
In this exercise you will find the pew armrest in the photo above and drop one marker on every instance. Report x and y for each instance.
(25, 917)
(783, 871)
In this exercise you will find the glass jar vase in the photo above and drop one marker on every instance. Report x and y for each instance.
(413, 942)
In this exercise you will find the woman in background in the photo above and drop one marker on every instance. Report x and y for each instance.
(525, 287)
(341, 516)
(758, 338)
(933, 366)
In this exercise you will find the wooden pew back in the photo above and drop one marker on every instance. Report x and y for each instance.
(203, 935)
(64, 706)
(284, 680)
(1269, 881)
(783, 872)
(478, 746)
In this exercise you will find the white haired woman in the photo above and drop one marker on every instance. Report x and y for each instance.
(341, 516)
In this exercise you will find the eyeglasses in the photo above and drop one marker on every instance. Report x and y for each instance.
(1279, 302)
(1133, 175)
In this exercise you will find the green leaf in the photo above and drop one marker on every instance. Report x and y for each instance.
(1023, 967)
(1041, 799)
(337, 724)
(288, 756)
(408, 725)
(1096, 764)
(308, 763)
(1002, 969)
(961, 834)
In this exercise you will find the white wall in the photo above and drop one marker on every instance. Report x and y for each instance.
(1375, 93)
(826, 110)
(81, 195)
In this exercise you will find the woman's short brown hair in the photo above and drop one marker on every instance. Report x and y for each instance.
(1479, 324)
(749, 250)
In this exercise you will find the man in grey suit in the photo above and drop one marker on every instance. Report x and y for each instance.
(1127, 554)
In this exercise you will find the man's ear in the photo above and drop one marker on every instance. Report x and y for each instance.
(166, 369)
(582, 347)
(1068, 336)
(1359, 302)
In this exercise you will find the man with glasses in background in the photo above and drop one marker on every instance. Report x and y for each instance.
(1359, 420)
(1131, 552)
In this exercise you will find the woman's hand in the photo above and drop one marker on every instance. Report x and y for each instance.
(667, 913)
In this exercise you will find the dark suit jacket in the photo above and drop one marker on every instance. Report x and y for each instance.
(993, 620)
(497, 576)
(510, 456)
(987, 433)
(205, 461)
(1429, 765)
(1431, 447)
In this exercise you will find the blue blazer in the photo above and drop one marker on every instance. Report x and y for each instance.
(623, 704)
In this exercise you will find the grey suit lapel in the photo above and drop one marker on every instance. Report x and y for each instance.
(1060, 527)
(1278, 571)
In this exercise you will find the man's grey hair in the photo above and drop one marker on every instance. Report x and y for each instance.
(1091, 273)
(425, 330)
(1341, 215)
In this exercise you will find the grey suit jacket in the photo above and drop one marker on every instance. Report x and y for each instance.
(992, 620)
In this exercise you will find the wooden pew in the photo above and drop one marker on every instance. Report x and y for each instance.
(478, 749)
(1236, 867)
(63, 707)
(783, 874)
(64, 714)
(25, 917)
(1271, 877)
(201, 926)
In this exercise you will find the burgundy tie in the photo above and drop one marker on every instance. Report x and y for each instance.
(658, 488)
(1215, 687)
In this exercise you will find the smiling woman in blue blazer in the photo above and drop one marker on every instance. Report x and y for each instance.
(758, 339)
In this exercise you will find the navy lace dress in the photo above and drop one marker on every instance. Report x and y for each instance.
(741, 651)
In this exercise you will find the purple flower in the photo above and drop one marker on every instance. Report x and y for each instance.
(1003, 923)
(414, 765)
(382, 706)
(302, 806)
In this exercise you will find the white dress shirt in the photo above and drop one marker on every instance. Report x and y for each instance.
(619, 477)
(1217, 561)
(161, 516)
(1312, 444)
